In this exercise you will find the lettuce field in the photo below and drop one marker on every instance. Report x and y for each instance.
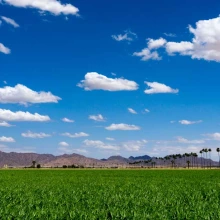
(109, 194)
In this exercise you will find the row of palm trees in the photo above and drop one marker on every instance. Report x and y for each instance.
(181, 160)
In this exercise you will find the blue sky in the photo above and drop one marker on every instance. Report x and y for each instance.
(129, 78)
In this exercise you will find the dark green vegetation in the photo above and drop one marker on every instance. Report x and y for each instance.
(109, 194)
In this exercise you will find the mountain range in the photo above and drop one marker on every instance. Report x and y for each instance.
(48, 160)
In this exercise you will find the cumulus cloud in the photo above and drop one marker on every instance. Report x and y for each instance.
(7, 115)
(76, 135)
(53, 6)
(10, 21)
(64, 144)
(205, 43)
(7, 139)
(187, 122)
(123, 127)
(156, 87)
(185, 141)
(30, 134)
(169, 150)
(23, 95)
(155, 44)
(214, 136)
(95, 81)
(67, 150)
(183, 47)
(100, 145)
(147, 54)
(128, 36)
(4, 49)
(5, 124)
(67, 120)
(97, 117)
(134, 145)
(132, 111)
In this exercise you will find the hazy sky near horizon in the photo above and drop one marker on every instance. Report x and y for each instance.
(103, 78)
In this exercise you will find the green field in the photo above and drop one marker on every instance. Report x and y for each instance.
(109, 194)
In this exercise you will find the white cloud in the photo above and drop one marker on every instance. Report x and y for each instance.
(185, 141)
(53, 6)
(100, 145)
(5, 82)
(64, 144)
(205, 43)
(5, 124)
(132, 111)
(155, 44)
(146, 54)
(7, 115)
(110, 139)
(4, 49)
(76, 135)
(134, 145)
(7, 149)
(169, 150)
(156, 87)
(97, 117)
(123, 127)
(146, 110)
(187, 122)
(30, 134)
(214, 136)
(23, 95)
(128, 36)
(183, 47)
(67, 120)
(67, 150)
(10, 21)
(7, 139)
(0, 23)
(131, 146)
(95, 81)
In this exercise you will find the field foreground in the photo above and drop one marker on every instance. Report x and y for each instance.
(110, 194)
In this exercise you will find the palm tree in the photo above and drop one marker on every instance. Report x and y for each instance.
(206, 151)
(34, 163)
(184, 158)
(191, 157)
(210, 157)
(218, 150)
(201, 156)
(188, 162)
(187, 155)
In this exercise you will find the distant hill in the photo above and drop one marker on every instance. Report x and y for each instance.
(23, 159)
(145, 157)
(118, 159)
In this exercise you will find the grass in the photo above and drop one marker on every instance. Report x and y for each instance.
(109, 194)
